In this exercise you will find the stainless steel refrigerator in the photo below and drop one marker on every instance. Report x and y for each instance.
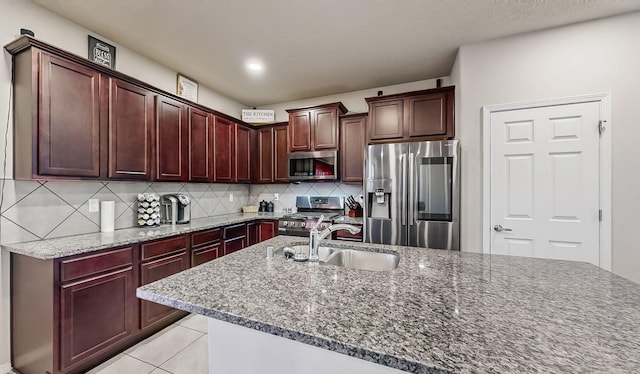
(412, 194)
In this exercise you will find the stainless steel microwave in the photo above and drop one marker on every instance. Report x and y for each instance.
(319, 165)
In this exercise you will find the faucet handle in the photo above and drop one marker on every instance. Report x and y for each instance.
(320, 219)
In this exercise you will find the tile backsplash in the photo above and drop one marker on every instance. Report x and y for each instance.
(288, 192)
(32, 210)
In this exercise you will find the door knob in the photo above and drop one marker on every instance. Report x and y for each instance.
(499, 228)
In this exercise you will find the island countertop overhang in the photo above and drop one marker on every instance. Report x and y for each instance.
(440, 310)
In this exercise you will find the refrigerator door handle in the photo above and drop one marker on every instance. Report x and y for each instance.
(411, 198)
(403, 207)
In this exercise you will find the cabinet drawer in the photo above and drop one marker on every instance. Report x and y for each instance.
(235, 231)
(163, 247)
(205, 237)
(96, 263)
(233, 245)
(206, 254)
(150, 312)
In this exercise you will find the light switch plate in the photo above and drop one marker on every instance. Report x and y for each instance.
(276, 196)
(94, 205)
(230, 197)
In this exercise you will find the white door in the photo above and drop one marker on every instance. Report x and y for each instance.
(545, 182)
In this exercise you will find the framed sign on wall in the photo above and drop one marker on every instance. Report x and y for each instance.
(187, 88)
(102, 53)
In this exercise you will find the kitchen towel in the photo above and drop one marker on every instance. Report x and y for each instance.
(107, 215)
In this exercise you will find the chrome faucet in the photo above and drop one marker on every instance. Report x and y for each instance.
(316, 236)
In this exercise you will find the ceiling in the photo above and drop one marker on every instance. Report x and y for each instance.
(314, 48)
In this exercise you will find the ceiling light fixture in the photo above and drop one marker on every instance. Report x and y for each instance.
(254, 67)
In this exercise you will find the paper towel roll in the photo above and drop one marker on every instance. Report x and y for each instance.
(107, 215)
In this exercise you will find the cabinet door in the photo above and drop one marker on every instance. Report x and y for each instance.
(172, 140)
(325, 128)
(95, 314)
(243, 154)
(69, 119)
(386, 119)
(130, 125)
(280, 155)
(265, 156)
(300, 131)
(267, 229)
(352, 141)
(253, 233)
(200, 146)
(224, 151)
(429, 115)
(152, 313)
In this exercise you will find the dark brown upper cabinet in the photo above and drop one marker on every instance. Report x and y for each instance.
(280, 155)
(75, 119)
(57, 115)
(130, 127)
(264, 162)
(314, 128)
(412, 116)
(224, 149)
(242, 154)
(172, 140)
(200, 146)
(352, 142)
(270, 164)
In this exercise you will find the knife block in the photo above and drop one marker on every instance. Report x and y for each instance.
(356, 212)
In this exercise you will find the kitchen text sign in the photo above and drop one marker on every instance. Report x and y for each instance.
(258, 115)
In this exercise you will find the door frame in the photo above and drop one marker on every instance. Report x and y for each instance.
(604, 99)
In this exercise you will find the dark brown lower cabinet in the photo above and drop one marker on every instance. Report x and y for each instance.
(234, 238)
(72, 313)
(159, 259)
(205, 246)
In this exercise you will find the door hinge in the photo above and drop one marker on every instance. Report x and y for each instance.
(601, 126)
(600, 215)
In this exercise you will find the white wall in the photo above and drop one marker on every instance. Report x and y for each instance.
(353, 101)
(593, 57)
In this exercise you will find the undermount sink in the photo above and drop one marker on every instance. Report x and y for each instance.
(365, 260)
(352, 258)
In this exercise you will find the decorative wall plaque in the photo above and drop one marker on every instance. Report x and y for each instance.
(102, 53)
(187, 88)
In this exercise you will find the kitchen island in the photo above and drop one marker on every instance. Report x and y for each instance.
(439, 311)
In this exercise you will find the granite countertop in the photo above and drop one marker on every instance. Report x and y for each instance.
(76, 244)
(439, 311)
(349, 220)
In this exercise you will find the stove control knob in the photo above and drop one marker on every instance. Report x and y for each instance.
(285, 223)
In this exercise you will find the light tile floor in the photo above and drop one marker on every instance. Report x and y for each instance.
(181, 348)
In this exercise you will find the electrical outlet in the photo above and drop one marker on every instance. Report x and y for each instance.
(276, 196)
(230, 197)
(94, 205)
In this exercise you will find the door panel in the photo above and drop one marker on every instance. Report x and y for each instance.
(434, 195)
(200, 149)
(172, 140)
(130, 122)
(386, 167)
(69, 127)
(545, 182)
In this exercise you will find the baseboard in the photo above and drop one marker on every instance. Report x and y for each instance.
(5, 368)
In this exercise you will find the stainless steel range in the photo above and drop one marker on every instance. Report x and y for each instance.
(309, 210)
